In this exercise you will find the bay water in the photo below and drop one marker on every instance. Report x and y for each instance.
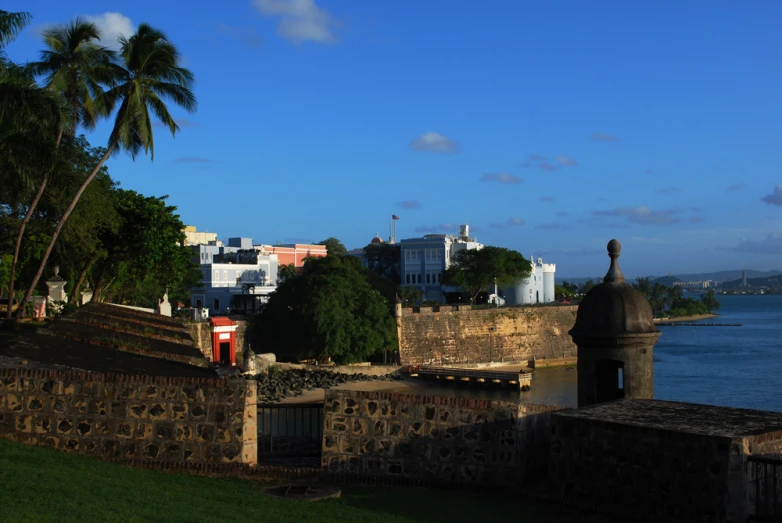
(726, 366)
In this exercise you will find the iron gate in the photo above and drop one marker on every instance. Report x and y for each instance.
(293, 430)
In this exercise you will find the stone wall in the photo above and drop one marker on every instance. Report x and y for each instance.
(511, 335)
(640, 473)
(131, 417)
(437, 440)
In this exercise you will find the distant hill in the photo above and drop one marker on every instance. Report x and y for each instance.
(771, 282)
(668, 281)
(726, 275)
(702, 276)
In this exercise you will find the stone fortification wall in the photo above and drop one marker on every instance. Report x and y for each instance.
(642, 473)
(112, 416)
(443, 336)
(433, 440)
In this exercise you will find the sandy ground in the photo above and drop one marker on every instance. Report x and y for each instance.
(685, 319)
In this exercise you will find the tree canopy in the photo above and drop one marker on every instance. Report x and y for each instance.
(82, 82)
(329, 311)
(334, 247)
(476, 270)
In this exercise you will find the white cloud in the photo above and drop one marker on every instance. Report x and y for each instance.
(642, 215)
(111, 26)
(435, 143)
(602, 137)
(409, 204)
(771, 245)
(566, 161)
(505, 178)
(300, 20)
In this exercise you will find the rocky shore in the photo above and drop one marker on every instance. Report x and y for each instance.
(275, 386)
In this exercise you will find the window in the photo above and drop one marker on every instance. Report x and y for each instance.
(225, 275)
(408, 278)
(216, 304)
(217, 276)
(427, 278)
(419, 278)
(198, 303)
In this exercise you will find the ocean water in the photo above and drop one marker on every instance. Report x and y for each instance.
(727, 366)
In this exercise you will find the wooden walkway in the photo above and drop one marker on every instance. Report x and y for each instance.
(699, 324)
(485, 377)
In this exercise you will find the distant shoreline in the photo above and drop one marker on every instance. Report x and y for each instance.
(665, 321)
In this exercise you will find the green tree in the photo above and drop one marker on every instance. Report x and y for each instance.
(586, 286)
(643, 286)
(710, 300)
(149, 71)
(286, 272)
(74, 68)
(334, 247)
(475, 270)
(144, 255)
(330, 311)
(29, 119)
(383, 259)
(410, 296)
(561, 292)
(674, 296)
(572, 288)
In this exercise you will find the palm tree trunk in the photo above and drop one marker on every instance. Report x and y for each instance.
(83, 274)
(99, 281)
(56, 234)
(17, 247)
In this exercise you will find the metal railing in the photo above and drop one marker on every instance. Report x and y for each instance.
(765, 488)
(293, 430)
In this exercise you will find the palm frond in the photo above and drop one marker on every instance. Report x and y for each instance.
(11, 24)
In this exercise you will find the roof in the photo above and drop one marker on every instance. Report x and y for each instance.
(691, 418)
(221, 321)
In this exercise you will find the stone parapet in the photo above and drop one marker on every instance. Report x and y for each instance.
(433, 440)
(449, 335)
(163, 419)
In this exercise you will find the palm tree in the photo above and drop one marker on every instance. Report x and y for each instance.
(11, 24)
(74, 66)
(29, 117)
(148, 70)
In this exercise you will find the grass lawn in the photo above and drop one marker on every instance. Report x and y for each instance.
(46, 485)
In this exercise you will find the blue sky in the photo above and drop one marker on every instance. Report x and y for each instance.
(549, 127)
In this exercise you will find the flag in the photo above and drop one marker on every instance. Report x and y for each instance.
(394, 217)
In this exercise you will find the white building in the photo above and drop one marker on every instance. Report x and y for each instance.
(236, 281)
(538, 288)
(423, 260)
(195, 237)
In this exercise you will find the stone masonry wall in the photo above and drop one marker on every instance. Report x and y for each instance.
(112, 416)
(641, 473)
(437, 440)
(514, 334)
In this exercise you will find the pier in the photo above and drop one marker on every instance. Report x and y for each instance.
(481, 377)
(699, 324)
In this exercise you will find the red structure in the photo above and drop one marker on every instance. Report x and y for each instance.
(223, 341)
(294, 253)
